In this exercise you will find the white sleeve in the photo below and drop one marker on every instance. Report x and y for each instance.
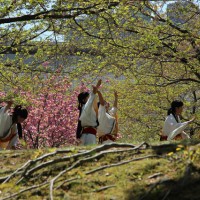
(185, 135)
(113, 111)
(14, 140)
(2, 110)
(170, 125)
(89, 104)
(175, 132)
(88, 115)
(101, 114)
(90, 101)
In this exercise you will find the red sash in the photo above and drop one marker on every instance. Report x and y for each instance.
(106, 137)
(164, 137)
(90, 130)
(9, 138)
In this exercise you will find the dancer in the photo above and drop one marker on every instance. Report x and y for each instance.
(108, 125)
(8, 125)
(88, 112)
(173, 128)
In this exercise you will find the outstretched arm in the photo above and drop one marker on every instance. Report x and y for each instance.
(101, 100)
(116, 99)
(95, 88)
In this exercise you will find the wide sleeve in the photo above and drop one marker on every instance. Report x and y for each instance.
(2, 111)
(185, 135)
(113, 111)
(13, 142)
(5, 122)
(101, 113)
(175, 132)
(88, 115)
(170, 125)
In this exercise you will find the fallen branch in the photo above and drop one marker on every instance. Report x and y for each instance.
(25, 190)
(80, 162)
(121, 163)
(15, 172)
(109, 166)
(76, 156)
(29, 164)
(104, 188)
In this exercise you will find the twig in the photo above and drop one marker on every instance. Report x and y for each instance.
(166, 195)
(45, 156)
(104, 188)
(81, 161)
(122, 163)
(75, 156)
(22, 191)
(15, 172)
(30, 163)
(154, 186)
(155, 175)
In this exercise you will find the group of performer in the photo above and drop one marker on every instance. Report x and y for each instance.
(96, 120)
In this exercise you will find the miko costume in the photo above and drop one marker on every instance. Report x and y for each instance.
(88, 121)
(174, 129)
(108, 125)
(8, 130)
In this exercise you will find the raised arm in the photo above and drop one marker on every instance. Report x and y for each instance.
(116, 99)
(101, 100)
(95, 88)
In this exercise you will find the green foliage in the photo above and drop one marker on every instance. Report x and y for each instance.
(149, 57)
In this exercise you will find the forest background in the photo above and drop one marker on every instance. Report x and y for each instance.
(149, 51)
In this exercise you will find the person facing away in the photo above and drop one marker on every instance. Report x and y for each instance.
(9, 125)
(173, 128)
(88, 111)
(108, 125)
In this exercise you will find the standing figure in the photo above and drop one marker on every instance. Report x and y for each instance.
(8, 125)
(108, 125)
(87, 124)
(173, 128)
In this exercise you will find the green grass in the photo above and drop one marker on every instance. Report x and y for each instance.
(165, 174)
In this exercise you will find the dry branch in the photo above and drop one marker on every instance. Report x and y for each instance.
(104, 188)
(76, 156)
(25, 190)
(109, 166)
(81, 161)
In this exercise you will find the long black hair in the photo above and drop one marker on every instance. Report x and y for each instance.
(172, 110)
(18, 111)
(19, 130)
(81, 101)
(23, 114)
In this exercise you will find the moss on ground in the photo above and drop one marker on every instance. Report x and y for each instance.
(155, 171)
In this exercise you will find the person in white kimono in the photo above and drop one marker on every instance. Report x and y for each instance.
(88, 122)
(173, 127)
(108, 125)
(8, 125)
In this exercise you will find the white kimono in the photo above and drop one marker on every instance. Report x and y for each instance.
(172, 128)
(107, 122)
(88, 118)
(5, 129)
